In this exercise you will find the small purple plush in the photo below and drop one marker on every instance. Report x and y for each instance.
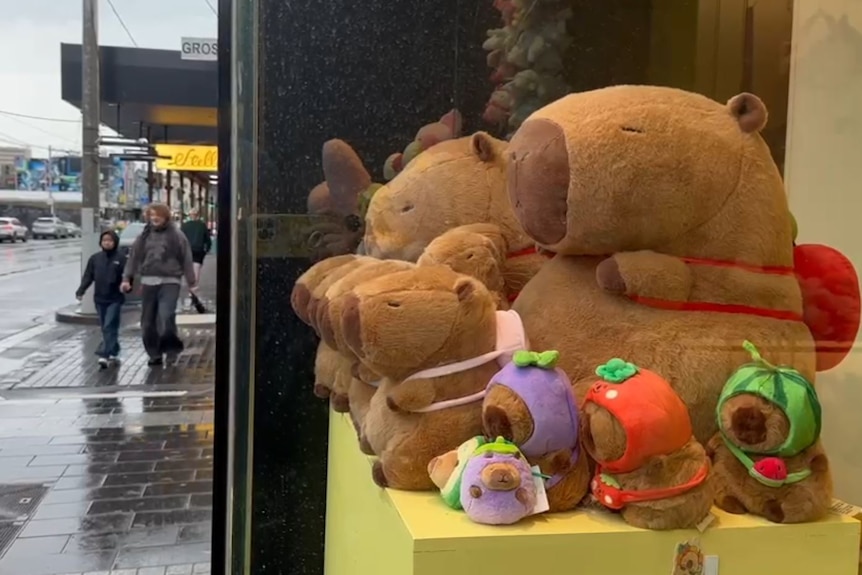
(497, 485)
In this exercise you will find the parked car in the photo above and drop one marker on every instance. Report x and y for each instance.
(12, 229)
(73, 229)
(49, 227)
(129, 234)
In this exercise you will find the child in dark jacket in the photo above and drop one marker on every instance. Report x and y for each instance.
(105, 271)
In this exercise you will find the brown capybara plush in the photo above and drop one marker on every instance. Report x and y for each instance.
(530, 403)
(454, 183)
(436, 338)
(300, 297)
(331, 367)
(327, 322)
(648, 465)
(767, 455)
(476, 250)
(325, 370)
(672, 233)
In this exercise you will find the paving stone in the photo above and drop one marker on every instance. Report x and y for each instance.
(130, 477)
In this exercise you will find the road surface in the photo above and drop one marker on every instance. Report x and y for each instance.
(36, 279)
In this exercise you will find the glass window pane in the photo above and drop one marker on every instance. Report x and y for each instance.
(361, 129)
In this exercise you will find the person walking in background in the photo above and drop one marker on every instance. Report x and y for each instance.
(105, 271)
(160, 257)
(198, 234)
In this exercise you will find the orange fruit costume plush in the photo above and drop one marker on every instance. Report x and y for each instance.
(648, 464)
(451, 184)
(673, 239)
(767, 456)
(436, 338)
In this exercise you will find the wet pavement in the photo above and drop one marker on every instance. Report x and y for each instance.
(36, 278)
(104, 471)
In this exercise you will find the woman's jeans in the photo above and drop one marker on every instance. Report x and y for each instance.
(159, 319)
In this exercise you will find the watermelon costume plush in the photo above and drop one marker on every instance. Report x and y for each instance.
(787, 390)
(831, 300)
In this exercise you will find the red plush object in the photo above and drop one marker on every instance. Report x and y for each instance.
(831, 301)
(772, 468)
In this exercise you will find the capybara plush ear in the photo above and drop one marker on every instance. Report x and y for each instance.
(749, 111)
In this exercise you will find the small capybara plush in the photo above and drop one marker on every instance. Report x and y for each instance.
(767, 456)
(530, 402)
(649, 466)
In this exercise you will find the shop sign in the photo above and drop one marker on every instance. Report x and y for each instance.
(187, 158)
(199, 49)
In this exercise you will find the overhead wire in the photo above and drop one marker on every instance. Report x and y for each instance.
(37, 128)
(123, 24)
(42, 118)
(214, 11)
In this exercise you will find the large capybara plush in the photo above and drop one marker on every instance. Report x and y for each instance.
(454, 183)
(673, 239)
(436, 338)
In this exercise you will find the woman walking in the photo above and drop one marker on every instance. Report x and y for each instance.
(160, 258)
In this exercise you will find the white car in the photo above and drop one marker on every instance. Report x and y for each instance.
(12, 229)
(73, 229)
(49, 227)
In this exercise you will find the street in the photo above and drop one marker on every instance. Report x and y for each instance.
(36, 279)
(101, 471)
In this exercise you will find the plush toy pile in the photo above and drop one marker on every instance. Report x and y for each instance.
(613, 365)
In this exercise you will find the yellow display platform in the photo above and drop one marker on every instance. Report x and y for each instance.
(371, 531)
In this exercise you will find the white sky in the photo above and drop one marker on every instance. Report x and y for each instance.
(30, 35)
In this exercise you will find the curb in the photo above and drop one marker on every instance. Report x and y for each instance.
(72, 315)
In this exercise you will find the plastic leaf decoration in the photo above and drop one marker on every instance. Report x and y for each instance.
(543, 360)
(616, 370)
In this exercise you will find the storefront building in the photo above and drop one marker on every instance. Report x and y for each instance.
(298, 494)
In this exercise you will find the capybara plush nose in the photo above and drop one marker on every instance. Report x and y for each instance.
(538, 179)
(299, 302)
(497, 423)
(501, 477)
(324, 325)
(749, 425)
(350, 324)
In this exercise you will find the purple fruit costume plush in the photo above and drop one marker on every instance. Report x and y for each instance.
(530, 403)
(497, 485)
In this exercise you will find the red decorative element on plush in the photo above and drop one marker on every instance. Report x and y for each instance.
(831, 301)
(772, 468)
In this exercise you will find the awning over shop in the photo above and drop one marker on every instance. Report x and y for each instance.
(149, 93)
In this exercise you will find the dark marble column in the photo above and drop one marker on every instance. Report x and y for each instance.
(370, 73)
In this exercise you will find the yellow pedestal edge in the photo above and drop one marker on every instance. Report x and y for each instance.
(375, 531)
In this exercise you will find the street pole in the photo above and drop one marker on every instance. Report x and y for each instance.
(50, 175)
(90, 227)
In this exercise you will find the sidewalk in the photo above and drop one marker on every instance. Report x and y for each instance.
(105, 471)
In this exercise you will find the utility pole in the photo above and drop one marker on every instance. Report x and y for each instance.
(90, 226)
(50, 176)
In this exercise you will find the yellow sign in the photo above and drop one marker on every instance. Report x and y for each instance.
(187, 158)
